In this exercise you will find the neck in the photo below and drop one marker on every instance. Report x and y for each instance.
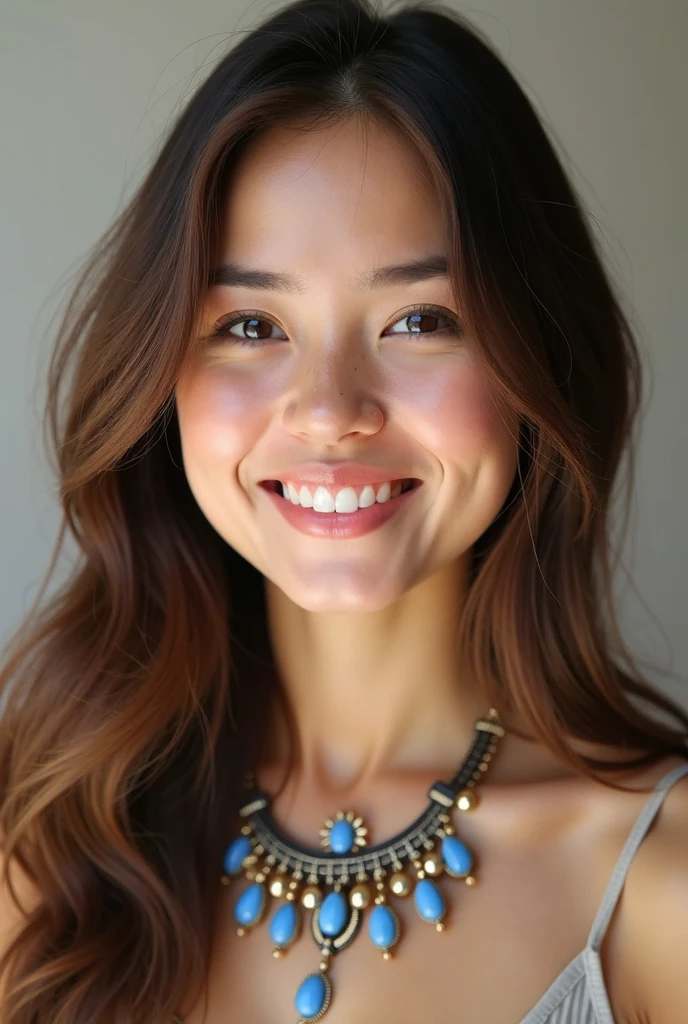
(375, 692)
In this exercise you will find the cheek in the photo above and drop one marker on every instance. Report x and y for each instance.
(218, 414)
(458, 419)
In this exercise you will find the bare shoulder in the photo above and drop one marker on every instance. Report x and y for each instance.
(656, 912)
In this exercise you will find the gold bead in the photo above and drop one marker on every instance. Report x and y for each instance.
(277, 953)
(241, 931)
(323, 965)
(311, 897)
(470, 880)
(439, 926)
(260, 876)
(359, 897)
(421, 873)
(433, 864)
(380, 899)
(386, 955)
(449, 830)
(291, 896)
(466, 800)
(225, 879)
(277, 886)
(400, 884)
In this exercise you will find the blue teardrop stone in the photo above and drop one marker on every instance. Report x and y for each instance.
(250, 904)
(457, 857)
(333, 915)
(283, 924)
(236, 852)
(382, 927)
(311, 995)
(342, 837)
(429, 900)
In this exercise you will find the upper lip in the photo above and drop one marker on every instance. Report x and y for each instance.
(341, 474)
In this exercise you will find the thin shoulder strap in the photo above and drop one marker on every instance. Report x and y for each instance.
(591, 954)
(635, 838)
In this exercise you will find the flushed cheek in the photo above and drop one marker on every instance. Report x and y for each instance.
(457, 420)
(221, 415)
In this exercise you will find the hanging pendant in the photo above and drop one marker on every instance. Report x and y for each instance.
(351, 878)
(313, 997)
(285, 927)
(250, 907)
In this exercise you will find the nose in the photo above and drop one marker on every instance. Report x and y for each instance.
(333, 397)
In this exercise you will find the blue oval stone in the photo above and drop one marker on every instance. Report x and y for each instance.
(333, 915)
(429, 900)
(457, 858)
(342, 837)
(283, 924)
(311, 996)
(382, 927)
(248, 907)
(236, 852)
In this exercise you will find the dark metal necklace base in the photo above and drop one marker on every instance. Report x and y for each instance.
(349, 876)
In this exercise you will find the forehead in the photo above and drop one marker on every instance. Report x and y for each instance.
(344, 197)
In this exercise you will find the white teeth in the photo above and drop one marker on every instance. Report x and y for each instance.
(345, 500)
(367, 497)
(305, 499)
(323, 500)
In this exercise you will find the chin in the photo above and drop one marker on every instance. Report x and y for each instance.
(342, 596)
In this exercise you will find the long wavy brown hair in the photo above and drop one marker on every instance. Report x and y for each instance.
(134, 696)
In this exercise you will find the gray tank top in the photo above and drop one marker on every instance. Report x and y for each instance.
(579, 995)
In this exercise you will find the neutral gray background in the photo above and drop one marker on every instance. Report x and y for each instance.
(88, 86)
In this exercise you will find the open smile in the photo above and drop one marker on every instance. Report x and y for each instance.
(347, 512)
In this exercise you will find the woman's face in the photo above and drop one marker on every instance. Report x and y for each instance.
(326, 371)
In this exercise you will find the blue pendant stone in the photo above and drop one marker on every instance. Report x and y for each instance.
(382, 927)
(457, 858)
(311, 996)
(429, 900)
(235, 854)
(342, 837)
(283, 924)
(249, 906)
(333, 915)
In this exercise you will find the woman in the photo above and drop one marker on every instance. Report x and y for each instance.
(338, 406)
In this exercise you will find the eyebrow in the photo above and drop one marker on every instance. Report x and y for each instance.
(236, 274)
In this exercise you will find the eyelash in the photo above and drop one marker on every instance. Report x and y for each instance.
(221, 330)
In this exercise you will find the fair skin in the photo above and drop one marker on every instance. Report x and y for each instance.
(363, 628)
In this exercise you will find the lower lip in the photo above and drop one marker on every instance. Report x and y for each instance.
(340, 525)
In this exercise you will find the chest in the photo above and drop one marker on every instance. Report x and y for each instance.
(506, 939)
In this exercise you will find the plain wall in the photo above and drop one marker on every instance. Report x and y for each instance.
(87, 87)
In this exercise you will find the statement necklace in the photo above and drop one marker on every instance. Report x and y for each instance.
(350, 876)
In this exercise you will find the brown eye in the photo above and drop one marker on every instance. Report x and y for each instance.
(254, 329)
(423, 320)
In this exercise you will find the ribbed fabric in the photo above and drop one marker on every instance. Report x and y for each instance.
(579, 995)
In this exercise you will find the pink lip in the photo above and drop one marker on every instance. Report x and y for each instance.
(335, 475)
(338, 525)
